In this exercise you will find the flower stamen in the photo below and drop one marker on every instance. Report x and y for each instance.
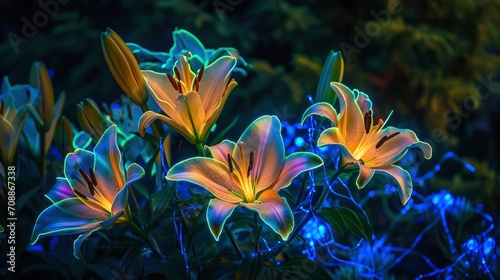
(88, 180)
(172, 81)
(230, 162)
(384, 139)
(368, 116)
(200, 73)
(177, 74)
(250, 165)
(1, 108)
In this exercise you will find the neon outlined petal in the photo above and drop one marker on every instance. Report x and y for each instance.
(364, 176)
(275, 212)
(69, 216)
(321, 109)
(209, 173)
(220, 151)
(295, 164)
(134, 173)
(60, 191)
(403, 181)
(217, 213)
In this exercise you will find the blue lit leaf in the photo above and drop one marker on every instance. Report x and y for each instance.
(356, 225)
(303, 268)
(250, 267)
(333, 218)
(340, 216)
(161, 199)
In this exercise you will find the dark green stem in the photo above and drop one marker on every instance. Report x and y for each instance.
(201, 150)
(43, 162)
(149, 240)
(235, 245)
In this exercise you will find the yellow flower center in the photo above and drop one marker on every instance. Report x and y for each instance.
(184, 80)
(245, 180)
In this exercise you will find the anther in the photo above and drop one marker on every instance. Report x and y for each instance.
(179, 86)
(250, 165)
(87, 179)
(200, 73)
(92, 177)
(196, 85)
(172, 81)
(79, 194)
(384, 139)
(230, 162)
(368, 116)
(381, 142)
(177, 73)
(1, 108)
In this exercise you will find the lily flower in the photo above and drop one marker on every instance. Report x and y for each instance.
(192, 102)
(92, 195)
(123, 66)
(11, 126)
(370, 146)
(248, 173)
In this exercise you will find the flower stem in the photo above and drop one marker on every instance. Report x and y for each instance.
(310, 213)
(201, 150)
(43, 162)
(235, 245)
(148, 239)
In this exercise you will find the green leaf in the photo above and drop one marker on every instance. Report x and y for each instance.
(340, 217)
(161, 199)
(333, 218)
(221, 135)
(333, 71)
(250, 267)
(1, 228)
(173, 267)
(25, 197)
(303, 268)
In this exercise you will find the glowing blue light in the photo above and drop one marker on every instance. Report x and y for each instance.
(489, 244)
(321, 229)
(299, 141)
(310, 98)
(469, 167)
(437, 167)
(308, 235)
(448, 199)
(371, 193)
(471, 244)
(435, 199)
(36, 247)
(311, 243)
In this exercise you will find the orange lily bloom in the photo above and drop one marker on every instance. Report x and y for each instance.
(192, 102)
(248, 173)
(368, 145)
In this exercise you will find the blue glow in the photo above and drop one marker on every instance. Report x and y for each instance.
(36, 247)
(299, 141)
(489, 245)
(472, 244)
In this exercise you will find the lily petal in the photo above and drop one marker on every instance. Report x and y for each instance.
(211, 119)
(108, 165)
(263, 138)
(395, 148)
(214, 82)
(134, 173)
(209, 173)
(69, 216)
(188, 107)
(364, 102)
(275, 212)
(79, 159)
(77, 244)
(364, 176)
(403, 180)
(217, 213)
(61, 190)
(161, 90)
(332, 136)
(295, 164)
(220, 151)
(351, 120)
(149, 117)
(322, 109)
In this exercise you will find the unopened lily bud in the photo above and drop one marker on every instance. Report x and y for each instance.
(64, 136)
(39, 78)
(91, 119)
(333, 71)
(124, 67)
